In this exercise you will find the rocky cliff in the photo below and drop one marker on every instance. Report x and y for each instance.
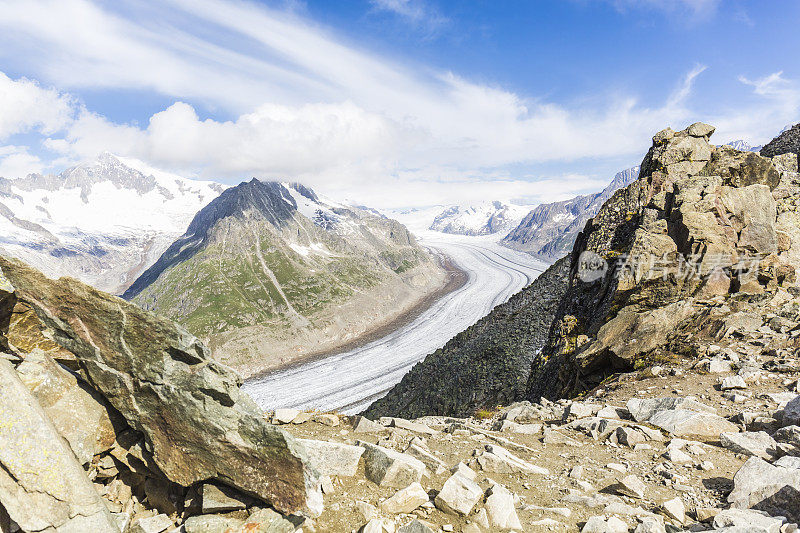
(704, 231)
(269, 272)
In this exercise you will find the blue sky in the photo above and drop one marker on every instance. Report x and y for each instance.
(390, 102)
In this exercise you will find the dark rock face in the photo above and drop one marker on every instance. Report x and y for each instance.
(485, 365)
(196, 424)
(694, 206)
(786, 142)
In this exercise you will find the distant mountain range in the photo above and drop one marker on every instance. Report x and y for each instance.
(269, 272)
(482, 219)
(550, 230)
(102, 222)
(743, 146)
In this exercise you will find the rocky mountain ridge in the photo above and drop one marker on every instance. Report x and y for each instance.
(269, 272)
(550, 230)
(102, 222)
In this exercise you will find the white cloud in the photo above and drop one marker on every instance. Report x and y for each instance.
(16, 161)
(697, 9)
(306, 106)
(777, 103)
(417, 12)
(25, 106)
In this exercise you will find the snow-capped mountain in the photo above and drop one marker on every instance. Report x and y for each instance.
(481, 219)
(103, 222)
(269, 272)
(550, 230)
(743, 146)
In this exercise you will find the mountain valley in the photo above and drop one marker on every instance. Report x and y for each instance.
(269, 273)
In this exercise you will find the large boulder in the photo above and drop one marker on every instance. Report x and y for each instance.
(689, 229)
(42, 486)
(194, 418)
(685, 423)
(386, 467)
(333, 458)
(765, 487)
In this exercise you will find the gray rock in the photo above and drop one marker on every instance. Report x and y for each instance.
(405, 500)
(464, 470)
(756, 443)
(700, 129)
(629, 436)
(716, 366)
(362, 424)
(79, 414)
(326, 419)
(507, 426)
(433, 463)
(789, 435)
(733, 382)
(194, 418)
(675, 509)
(332, 458)
(416, 427)
(650, 525)
(577, 410)
(747, 518)
(599, 524)
(387, 467)
(788, 461)
(765, 487)
(211, 524)
(285, 415)
(642, 409)
(153, 524)
(458, 495)
(685, 423)
(41, 483)
(415, 527)
(497, 459)
(500, 508)
(631, 486)
(267, 521)
(220, 499)
(791, 412)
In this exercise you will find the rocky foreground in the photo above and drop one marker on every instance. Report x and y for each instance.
(711, 444)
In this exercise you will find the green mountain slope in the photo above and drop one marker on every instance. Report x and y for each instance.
(268, 273)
